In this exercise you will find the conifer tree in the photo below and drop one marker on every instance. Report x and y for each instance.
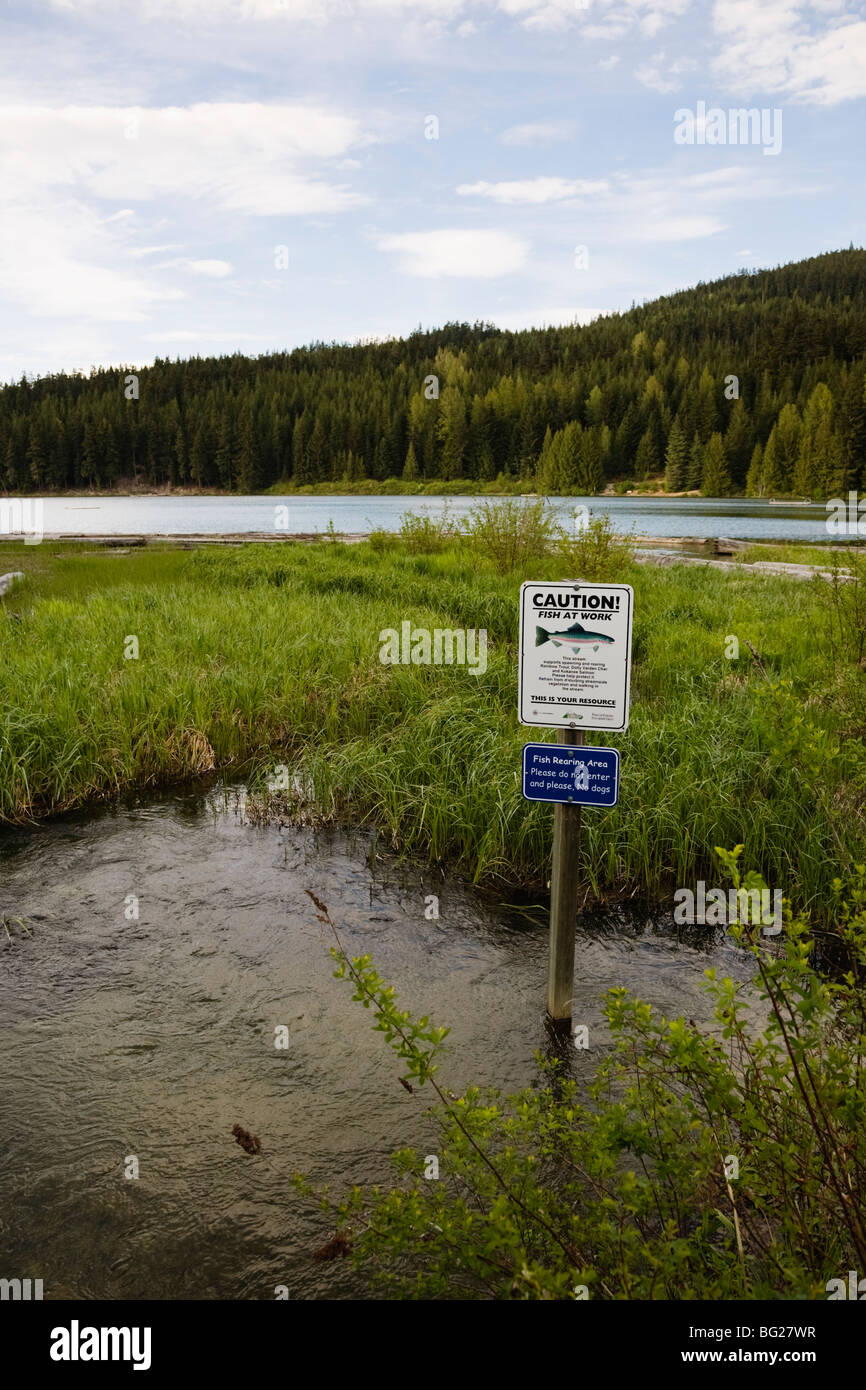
(816, 463)
(548, 471)
(452, 431)
(852, 429)
(716, 480)
(410, 467)
(696, 464)
(782, 451)
(10, 464)
(90, 456)
(589, 477)
(626, 440)
(595, 407)
(36, 460)
(543, 464)
(773, 480)
(708, 409)
(300, 435)
(646, 463)
(755, 475)
(738, 442)
(676, 459)
(248, 468)
(486, 463)
(570, 457)
(200, 457)
(182, 467)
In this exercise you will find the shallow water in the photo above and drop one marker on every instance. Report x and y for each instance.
(154, 1037)
(742, 518)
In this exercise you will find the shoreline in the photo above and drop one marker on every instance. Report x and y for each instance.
(710, 552)
(396, 487)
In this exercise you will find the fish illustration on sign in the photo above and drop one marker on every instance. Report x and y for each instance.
(574, 637)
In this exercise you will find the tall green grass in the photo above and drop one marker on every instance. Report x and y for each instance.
(257, 655)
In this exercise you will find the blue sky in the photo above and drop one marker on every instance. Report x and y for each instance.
(205, 176)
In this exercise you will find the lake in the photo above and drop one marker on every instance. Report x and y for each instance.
(739, 518)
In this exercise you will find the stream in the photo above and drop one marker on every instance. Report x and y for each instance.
(153, 1036)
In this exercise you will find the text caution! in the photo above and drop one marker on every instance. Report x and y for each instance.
(557, 772)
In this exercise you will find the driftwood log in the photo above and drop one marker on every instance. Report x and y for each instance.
(7, 580)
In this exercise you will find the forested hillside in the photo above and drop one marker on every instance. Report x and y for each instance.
(754, 383)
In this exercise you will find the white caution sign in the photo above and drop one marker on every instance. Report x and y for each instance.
(575, 654)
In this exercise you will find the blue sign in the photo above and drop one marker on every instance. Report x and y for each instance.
(562, 772)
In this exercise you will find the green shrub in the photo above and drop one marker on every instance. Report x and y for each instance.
(723, 1164)
(425, 534)
(511, 533)
(383, 540)
(597, 552)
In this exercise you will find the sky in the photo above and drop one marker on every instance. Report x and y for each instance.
(199, 177)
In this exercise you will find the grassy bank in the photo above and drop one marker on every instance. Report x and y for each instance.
(360, 487)
(252, 656)
(795, 554)
(404, 487)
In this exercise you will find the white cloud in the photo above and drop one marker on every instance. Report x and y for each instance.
(614, 29)
(212, 270)
(661, 78)
(738, 181)
(548, 18)
(617, 16)
(538, 133)
(484, 254)
(138, 252)
(193, 335)
(243, 157)
(656, 206)
(515, 321)
(540, 190)
(318, 12)
(673, 227)
(63, 257)
(57, 259)
(652, 22)
(772, 47)
(665, 206)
